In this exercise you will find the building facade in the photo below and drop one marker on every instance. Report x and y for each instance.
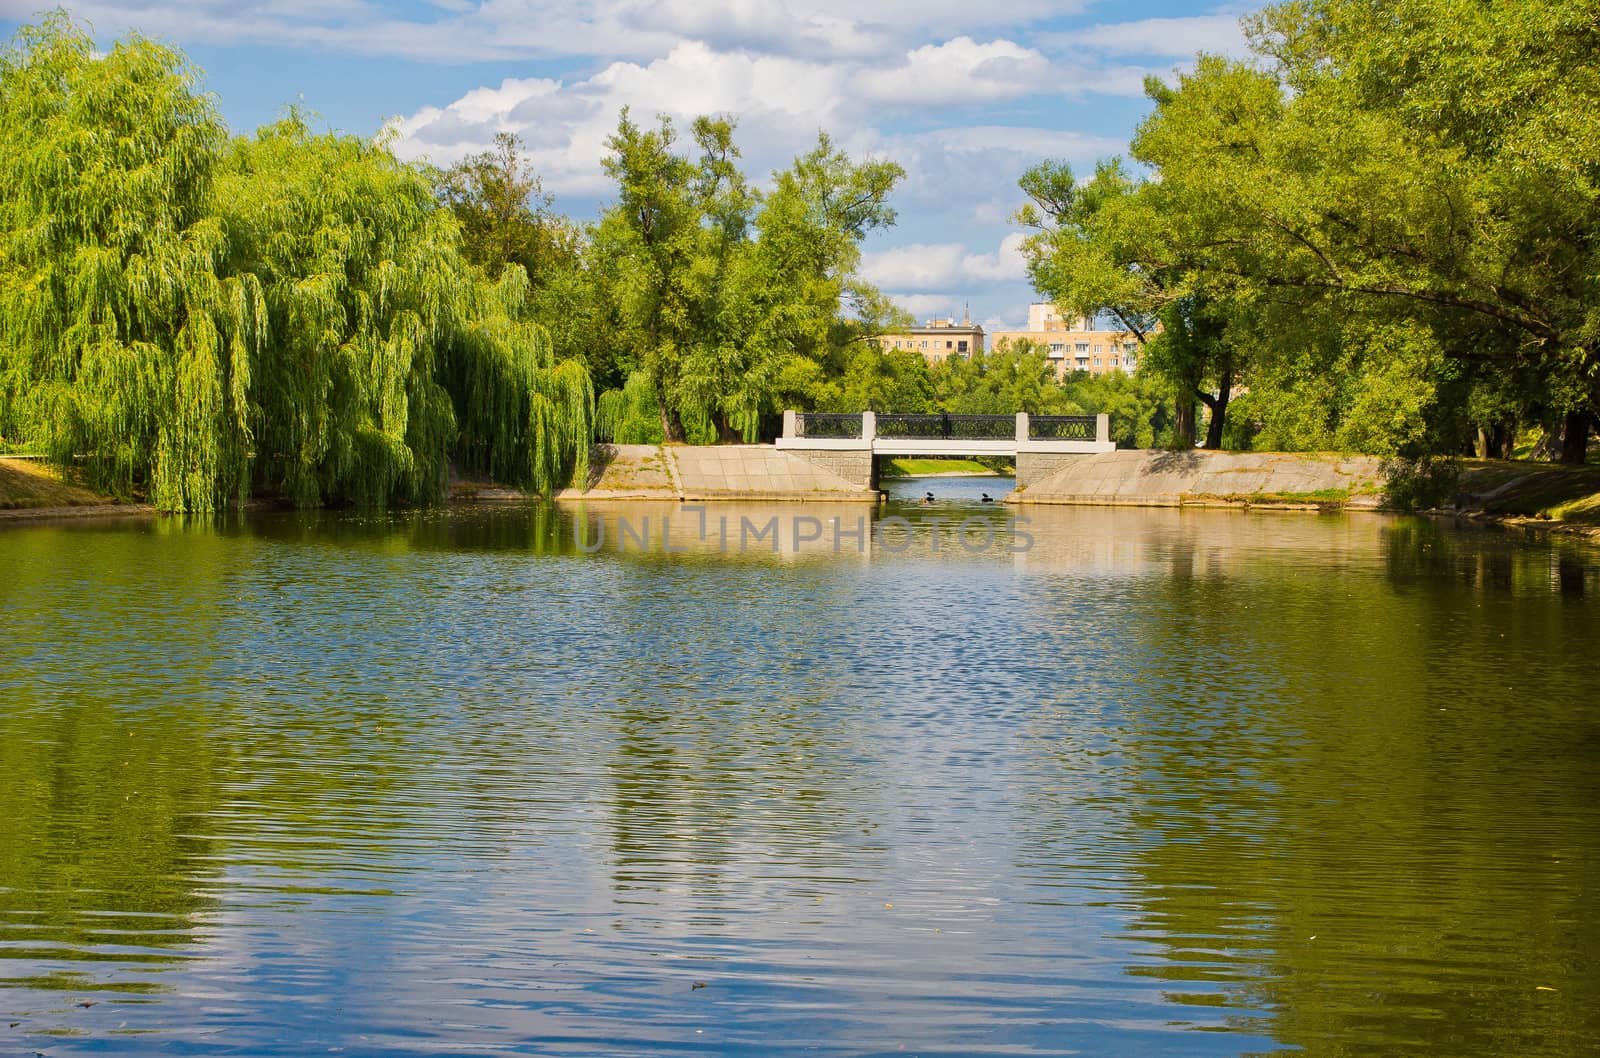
(1074, 344)
(937, 339)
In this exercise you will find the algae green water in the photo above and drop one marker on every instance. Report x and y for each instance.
(1110, 782)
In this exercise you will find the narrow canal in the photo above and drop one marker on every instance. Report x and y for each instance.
(1106, 782)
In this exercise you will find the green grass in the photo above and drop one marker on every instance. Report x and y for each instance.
(1533, 489)
(909, 468)
(26, 483)
(1321, 497)
(1318, 496)
(1585, 511)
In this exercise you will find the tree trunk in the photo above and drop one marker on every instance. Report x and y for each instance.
(726, 434)
(671, 429)
(1545, 450)
(1219, 410)
(1183, 421)
(1575, 438)
(1494, 441)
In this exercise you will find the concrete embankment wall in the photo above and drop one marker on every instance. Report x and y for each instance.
(719, 472)
(1173, 479)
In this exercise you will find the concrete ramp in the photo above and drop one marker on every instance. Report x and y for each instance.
(1149, 478)
(715, 472)
(625, 472)
(726, 472)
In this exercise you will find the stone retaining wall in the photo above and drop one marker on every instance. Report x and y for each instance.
(1034, 467)
(1160, 478)
(857, 467)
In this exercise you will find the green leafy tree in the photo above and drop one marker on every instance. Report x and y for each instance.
(362, 283)
(649, 242)
(1114, 245)
(1139, 405)
(1387, 176)
(289, 313)
(120, 341)
(713, 290)
(1013, 377)
(504, 213)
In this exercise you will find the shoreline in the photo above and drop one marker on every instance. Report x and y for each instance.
(946, 474)
(506, 497)
(84, 510)
(1507, 495)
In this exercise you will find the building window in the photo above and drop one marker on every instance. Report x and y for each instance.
(1097, 362)
(1057, 349)
(1131, 363)
(1115, 362)
(924, 343)
(1083, 347)
(961, 347)
(949, 345)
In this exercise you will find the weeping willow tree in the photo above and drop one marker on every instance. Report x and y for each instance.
(121, 342)
(364, 285)
(630, 415)
(389, 353)
(289, 313)
(524, 418)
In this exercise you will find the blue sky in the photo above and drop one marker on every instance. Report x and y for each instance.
(964, 94)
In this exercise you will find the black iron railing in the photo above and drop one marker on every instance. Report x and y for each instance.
(826, 425)
(1061, 427)
(949, 427)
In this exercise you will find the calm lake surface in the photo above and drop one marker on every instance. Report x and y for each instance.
(1111, 782)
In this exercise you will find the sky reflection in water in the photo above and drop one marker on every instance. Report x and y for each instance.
(1167, 783)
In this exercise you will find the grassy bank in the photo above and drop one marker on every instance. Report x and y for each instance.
(1541, 491)
(27, 483)
(920, 468)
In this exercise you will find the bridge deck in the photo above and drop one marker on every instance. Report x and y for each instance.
(946, 435)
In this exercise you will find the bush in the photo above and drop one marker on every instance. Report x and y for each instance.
(1423, 483)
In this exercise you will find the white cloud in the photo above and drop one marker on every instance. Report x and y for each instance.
(918, 265)
(765, 26)
(959, 71)
(1005, 265)
(780, 104)
(1175, 37)
(1016, 311)
(928, 306)
(694, 79)
(489, 30)
(949, 170)
(945, 266)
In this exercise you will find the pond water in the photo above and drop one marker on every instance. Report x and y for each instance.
(521, 780)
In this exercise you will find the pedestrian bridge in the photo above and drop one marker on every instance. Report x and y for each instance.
(849, 445)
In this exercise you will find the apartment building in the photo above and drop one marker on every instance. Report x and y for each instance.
(937, 339)
(1074, 344)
